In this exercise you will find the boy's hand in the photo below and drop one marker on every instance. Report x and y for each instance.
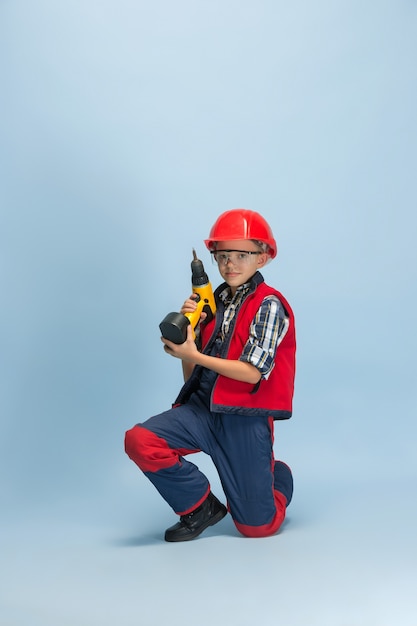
(190, 306)
(186, 351)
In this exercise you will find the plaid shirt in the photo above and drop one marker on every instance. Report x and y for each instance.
(266, 332)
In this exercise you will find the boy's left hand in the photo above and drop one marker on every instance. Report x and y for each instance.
(185, 351)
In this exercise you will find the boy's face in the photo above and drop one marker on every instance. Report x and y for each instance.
(237, 269)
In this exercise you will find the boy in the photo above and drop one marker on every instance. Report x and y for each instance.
(235, 387)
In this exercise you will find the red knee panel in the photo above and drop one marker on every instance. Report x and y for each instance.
(266, 529)
(150, 452)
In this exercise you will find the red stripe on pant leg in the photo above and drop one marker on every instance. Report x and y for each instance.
(196, 505)
(267, 529)
(150, 452)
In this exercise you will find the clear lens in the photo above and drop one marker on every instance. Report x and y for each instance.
(236, 257)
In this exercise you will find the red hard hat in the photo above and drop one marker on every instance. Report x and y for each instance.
(242, 224)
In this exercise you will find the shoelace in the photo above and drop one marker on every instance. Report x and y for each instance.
(187, 519)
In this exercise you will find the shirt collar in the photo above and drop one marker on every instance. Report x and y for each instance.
(226, 296)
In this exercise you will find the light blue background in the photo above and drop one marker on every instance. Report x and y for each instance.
(126, 128)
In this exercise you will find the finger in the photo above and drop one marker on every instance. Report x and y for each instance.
(167, 343)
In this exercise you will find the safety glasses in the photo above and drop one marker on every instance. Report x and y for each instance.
(236, 257)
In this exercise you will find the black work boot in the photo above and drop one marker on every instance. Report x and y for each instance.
(193, 524)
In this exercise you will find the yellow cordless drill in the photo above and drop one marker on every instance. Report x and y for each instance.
(174, 325)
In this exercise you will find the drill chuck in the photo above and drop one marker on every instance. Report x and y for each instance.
(198, 274)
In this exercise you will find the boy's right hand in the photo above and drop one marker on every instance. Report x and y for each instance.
(190, 306)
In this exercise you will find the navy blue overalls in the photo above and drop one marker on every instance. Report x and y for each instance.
(257, 487)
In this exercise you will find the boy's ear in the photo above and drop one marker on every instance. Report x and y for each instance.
(263, 259)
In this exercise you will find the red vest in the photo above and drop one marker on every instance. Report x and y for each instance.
(273, 395)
